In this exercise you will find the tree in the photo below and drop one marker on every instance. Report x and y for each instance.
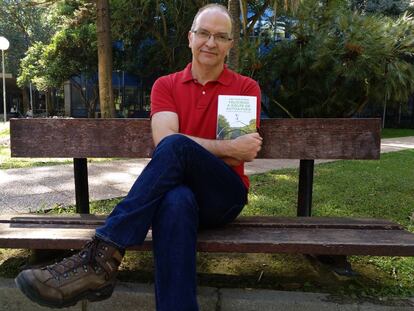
(103, 32)
(23, 25)
(339, 62)
(234, 10)
(71, 51)
(154, 37)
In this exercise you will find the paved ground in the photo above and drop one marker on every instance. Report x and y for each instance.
(23, 190)
(132, 296)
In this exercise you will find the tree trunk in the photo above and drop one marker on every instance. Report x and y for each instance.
(233, 58)
(103, 31)
(25, 102)
(50, 107)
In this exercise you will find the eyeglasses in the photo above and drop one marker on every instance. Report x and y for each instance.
(218, 37)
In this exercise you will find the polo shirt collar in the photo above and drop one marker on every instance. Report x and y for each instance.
(225, 77)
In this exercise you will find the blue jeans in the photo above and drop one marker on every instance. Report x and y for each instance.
(183, 188)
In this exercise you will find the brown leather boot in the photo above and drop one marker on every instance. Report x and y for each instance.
(90, 274)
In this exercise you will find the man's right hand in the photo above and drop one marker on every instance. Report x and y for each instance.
(246, 147)
(241, 149)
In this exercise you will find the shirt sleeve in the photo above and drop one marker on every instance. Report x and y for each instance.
(162, 97)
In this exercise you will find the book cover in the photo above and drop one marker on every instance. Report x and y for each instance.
(236, 116)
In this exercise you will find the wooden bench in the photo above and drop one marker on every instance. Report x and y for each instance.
(304, 139)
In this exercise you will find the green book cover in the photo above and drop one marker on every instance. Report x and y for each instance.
(236, 116)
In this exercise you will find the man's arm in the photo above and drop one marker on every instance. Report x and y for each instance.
(243, 148)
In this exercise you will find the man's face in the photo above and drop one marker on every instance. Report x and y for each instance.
(210, 51)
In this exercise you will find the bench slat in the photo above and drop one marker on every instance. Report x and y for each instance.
(90, 221)
(131, 138)
(238, 239)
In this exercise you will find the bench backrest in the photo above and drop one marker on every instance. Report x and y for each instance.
(131, 138)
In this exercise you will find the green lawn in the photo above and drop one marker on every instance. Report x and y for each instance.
(7, 162)
(394, 133)
(4, 131)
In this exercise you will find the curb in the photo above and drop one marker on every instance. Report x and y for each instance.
(135, 296)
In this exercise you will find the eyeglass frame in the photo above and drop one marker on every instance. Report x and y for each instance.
(216, 36)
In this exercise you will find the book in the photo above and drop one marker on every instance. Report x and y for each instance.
(236, 116)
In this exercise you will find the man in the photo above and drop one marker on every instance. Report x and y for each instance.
(193, 181)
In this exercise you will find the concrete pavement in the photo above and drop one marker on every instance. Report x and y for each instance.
(133, 296)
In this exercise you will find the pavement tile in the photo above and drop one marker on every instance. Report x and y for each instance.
(269, 300)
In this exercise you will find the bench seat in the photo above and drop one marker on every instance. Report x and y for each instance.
(264, 234)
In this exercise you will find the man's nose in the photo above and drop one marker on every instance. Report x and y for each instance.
(211, 41)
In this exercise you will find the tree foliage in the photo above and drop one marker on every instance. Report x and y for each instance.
(339, 62)
(71, 51)
(22, 25)
(385, 7)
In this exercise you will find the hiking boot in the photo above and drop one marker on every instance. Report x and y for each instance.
(90, 274)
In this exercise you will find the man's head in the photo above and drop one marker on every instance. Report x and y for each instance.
(210, 38)
(212, 6)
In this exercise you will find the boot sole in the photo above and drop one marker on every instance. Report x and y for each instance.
(91, 295)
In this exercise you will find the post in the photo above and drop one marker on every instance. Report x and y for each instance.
(80, 166)
(31, 98)
(305, 187)
(4, 86)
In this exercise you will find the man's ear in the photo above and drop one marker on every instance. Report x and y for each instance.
(190, 38)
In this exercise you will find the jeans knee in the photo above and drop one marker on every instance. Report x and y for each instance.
(180, 198)
(178, 206)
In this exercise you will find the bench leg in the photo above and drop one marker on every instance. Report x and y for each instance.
(305, 187)
(80, 166)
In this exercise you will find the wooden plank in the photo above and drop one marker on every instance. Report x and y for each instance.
(308, 241)
(81, 138)
(87, 220)
(321, 138)
(131, 138)
(315, 222)
(242, 239)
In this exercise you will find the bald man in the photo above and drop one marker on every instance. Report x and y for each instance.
(193, 181)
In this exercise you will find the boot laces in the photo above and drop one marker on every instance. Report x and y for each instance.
(70, 265)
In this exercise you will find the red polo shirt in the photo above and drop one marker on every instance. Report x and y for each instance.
(196, 104)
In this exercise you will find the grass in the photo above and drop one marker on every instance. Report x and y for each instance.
(344, 188)
(7, 162)
(4, 131)
(394, 133)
